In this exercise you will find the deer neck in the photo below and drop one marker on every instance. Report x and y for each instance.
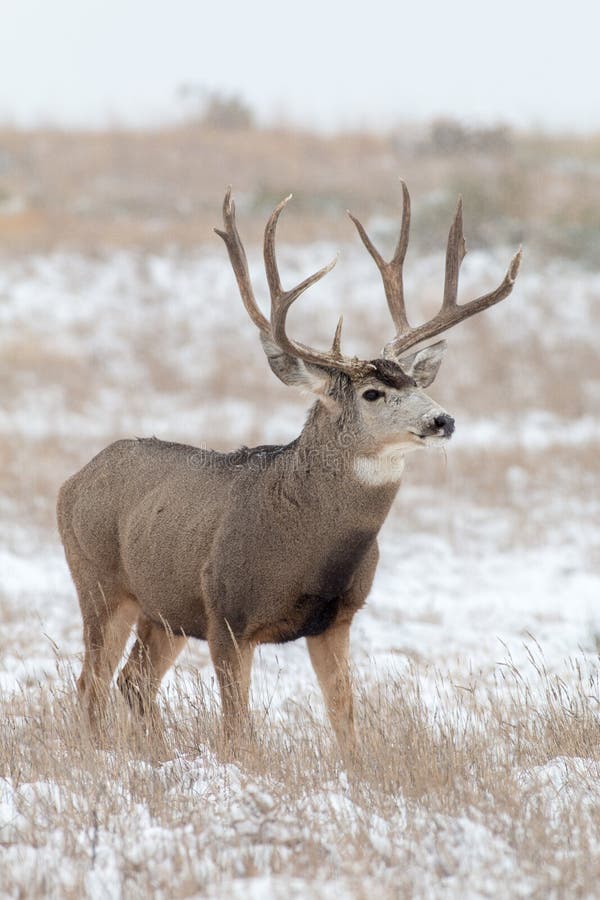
(327, 453)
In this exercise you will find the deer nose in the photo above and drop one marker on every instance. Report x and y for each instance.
(446, 422)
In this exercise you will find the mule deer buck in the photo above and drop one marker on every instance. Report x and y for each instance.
(268, 544)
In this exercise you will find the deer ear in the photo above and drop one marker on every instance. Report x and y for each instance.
(423, 365)
(293, 371)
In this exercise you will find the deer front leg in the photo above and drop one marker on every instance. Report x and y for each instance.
(329, 655)
(232, 660)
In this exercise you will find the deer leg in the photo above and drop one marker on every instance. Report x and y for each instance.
(105, 633)
(329, 655)
(232, 660)
(153, 653)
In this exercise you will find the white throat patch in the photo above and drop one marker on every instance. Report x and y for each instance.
(384, 468)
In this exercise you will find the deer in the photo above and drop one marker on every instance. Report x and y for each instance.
(267, 544)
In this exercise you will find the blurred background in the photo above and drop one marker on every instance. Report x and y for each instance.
(121, 126)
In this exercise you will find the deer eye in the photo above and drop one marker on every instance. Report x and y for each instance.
(372, 394)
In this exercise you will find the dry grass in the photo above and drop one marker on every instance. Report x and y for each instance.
(162, 188)
(438, 783)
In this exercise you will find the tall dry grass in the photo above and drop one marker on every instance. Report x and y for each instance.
(450, 776)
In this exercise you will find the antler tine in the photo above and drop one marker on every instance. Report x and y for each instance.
(402, 245)
(455, 253)
(273, 279)
(239, 263)
(336, 347)
(282, 300)
(391, 272)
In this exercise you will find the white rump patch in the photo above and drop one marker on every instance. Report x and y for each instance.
(385, 468)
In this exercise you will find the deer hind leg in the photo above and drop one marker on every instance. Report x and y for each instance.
(232, 660)
(153, 653)
(108, 620)
(329, 655)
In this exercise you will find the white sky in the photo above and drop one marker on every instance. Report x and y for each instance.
(321, 63)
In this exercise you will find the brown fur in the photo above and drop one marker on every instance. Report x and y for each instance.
(262, 545)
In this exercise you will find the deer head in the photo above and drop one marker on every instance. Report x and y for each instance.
(381, 403)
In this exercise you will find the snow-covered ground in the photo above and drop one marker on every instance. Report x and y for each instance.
(489, 560)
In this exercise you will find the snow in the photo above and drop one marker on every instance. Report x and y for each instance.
(458, 592)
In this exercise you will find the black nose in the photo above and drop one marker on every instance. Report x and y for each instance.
(446, 422)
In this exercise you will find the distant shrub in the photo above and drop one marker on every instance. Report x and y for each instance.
(217, 109)
(449, 136)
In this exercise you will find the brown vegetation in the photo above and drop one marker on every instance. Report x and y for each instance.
(450, 795)
(91, 190)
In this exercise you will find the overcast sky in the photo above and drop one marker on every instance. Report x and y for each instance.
(321, 63)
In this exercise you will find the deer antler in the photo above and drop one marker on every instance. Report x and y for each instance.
(239, 264)
(280, 300)
(451, 313)
(391, 272)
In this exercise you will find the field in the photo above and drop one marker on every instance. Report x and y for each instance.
(476, 657)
